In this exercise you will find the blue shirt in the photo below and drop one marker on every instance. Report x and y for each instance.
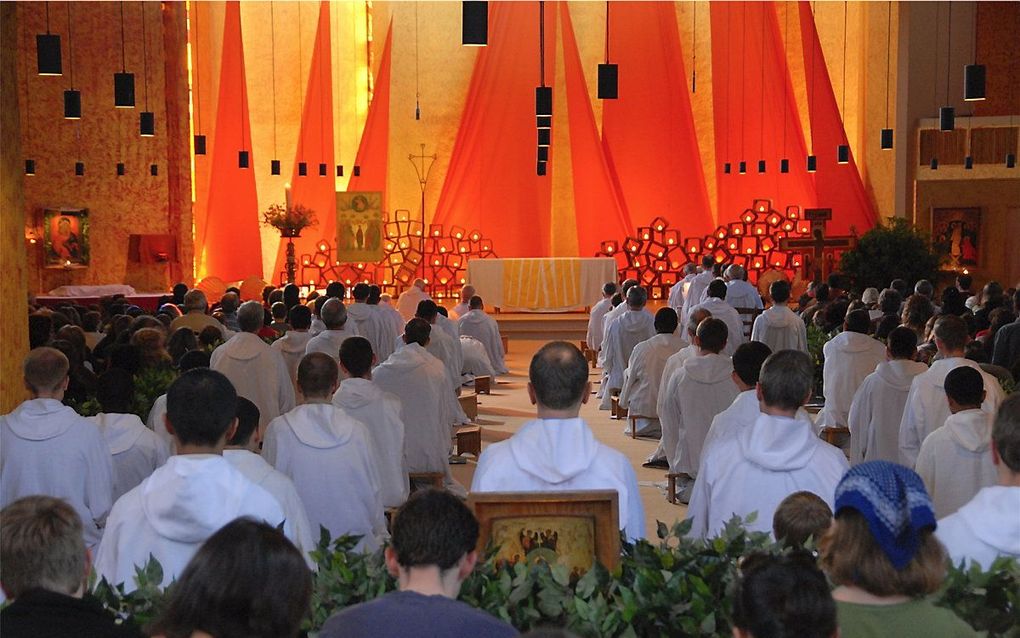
(408, 614)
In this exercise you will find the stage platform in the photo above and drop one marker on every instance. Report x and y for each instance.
(148, 302)
(549, 326)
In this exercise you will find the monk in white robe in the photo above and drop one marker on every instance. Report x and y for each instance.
(392, 324)
(630, 329)
(927, 407)
(396, 320)
(640, 393)
(557, 451)
(777, 456)
(195, 493)
(242, 452)
(954, 461)
(367, 321)
(330, 458)
(695, 395)
(678, 292)
(988, 526)
(294, 342)
(419, 380)
(337, 328)
(137, 451)
(481, 326)
(466, 292)
(448, 351)
(877, 408)
(779, 327)
(745, 410)
(257, 372)
(476, 359)
(739, 293)
(362, 400)
(593, 337)
(697, 286)
(46, 448)
(408, 302)
(716, 303)
(850, 357)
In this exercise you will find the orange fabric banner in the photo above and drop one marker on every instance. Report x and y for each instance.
(373, 152)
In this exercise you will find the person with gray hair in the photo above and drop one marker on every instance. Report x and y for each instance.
(717, 302)
(461, 309)
(334, 317)
(476, 323)
(258, 372)
(739, 293)
(779, 455)
(678, 292)
(195, 317)
(631, 328)
(595, 335)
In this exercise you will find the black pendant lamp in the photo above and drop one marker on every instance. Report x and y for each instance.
(121, 169)
(886, 140)
(543, 98)
(475, 23)
(934, 164)
(742, 167)
(302, 169)
(243, 159)
(146, 119)
(812, 163)
(843, 150)
(154, 169)
(79, 168)
(761, 166)
(323, 170)
(198, 140)
(357, 171)
(274, 167)
(947, 114)
(1010, 160)
(727, 168)
(30, 167)
(968, 162)
(72, 96)
(784, 166)
(974, 74)
(947, 118)
(608, 88)
(72, 104)
(123, 82)
(843, 154)
(339, 170)
(47, 50)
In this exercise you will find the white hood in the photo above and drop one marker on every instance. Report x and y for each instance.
(971, 429)
(992, 517)
(474, 317)
(251, 465)
(294, 342)
(941, 368)
(780, 317)
(319, 425)
(119, 430)
(852, 342)
(777, 443)
(634, 325)
(899, 373)
(243, 346)
(356, 393)
(41, 419)
(710, 369)
(554, 450)
(192, 496)
(359, 311)
(409, 357)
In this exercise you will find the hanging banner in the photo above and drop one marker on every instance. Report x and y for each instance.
(359, 227)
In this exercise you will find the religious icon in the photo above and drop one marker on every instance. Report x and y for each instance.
(564, 540)
(956, 233)
(359, 220)
(66, 238)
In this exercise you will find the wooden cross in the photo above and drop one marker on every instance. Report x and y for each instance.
(817, 244)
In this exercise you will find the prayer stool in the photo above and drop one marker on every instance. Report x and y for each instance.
(434, 479)
(832, 436)
(469, 440)
(469, 403)
(584, 346)
(616, 410)
(671, 487)
(632, 418)
(506, 344)
(482, 384)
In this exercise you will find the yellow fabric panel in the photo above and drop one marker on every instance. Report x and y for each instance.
(541, 282)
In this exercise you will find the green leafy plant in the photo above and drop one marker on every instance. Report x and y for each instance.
(895, 249)
(150, 384)
(816, 340)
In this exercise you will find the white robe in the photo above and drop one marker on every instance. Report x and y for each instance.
(258, 471)
(756, 470)
(849, 358)
(379, 412)
(741, 294)
(258, 373)
(371, 324)
(330, 458)
(780, 329)
(157, 423)
(136, 450)
(955, 461)
(46, 448)
(594, 335)
(481, 326)
(292, 347)
(171, 513)
(678, 293)
(395, 321)
(927, 407)
(877, 409)
(561, 455)
(694, 395)
(446, 349)
(407, 303)
(742, 414)
(630, 329)
(329, 341)
(674, 363)
(985, 528)
(460, 310)
(699, 283)
(722, 310)
(640, 393)
(476, 359)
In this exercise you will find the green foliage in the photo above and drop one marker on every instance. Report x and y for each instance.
(150, 384)
(892, 250)
(676, 587)
(816, 340)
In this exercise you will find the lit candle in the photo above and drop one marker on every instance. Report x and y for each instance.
(286, 190)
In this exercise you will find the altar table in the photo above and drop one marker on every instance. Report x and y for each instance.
(541, 284)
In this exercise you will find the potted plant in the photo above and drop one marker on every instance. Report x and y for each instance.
(290, 221)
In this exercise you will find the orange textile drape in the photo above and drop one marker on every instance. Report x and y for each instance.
(649, 132)
(232, 248)
(315, 146)
(373, 152)
(839, 186)
(755, 111)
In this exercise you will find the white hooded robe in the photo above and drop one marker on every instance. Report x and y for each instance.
(741, 294)
(371, 324)
(258, 373)
(849, 358)
(877, 410)
(640, 393)
(407, 303)
(481, 326)
(476, 359)
(955, 461)
(623, 335)
(292, 347)
(722, 310)
(329, 341)
(137, 451)
(985, 528)
(594, 335)
(699, 283)
(780, 329)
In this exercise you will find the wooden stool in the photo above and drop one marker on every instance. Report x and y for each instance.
(632, 418)
(469, 440)
(506, 344)
(616, 410)
(671, 487)
(482, 384)
(833, 435)
(434, 479)
(469, 403)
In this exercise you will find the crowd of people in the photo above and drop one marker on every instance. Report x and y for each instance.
(285, 415)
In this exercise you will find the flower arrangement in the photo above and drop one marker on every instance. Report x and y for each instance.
(290, 221)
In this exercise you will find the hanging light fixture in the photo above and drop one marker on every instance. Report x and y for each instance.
(742, 166)
(974, 74)
(302, 169)
(727, 166)
(475, 23)
(812, 161)
(761, 103)
(243, 159)
(947, 114)
(47, 50)
(72, 96)
(934, 164)
(543, 93)
(121, 169)
(1010, 160)
(146, 119)
(30, 167)
(694, 46)
(544, 137)
(886, 141)
(784, 163)
(357, 171)
(123, 82)
(274, 164)
(543, 153)
(154, 169)
(198, 140)
(608, 73)
(843, 150)
(79, 168)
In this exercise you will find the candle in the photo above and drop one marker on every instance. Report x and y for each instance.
(286, 190)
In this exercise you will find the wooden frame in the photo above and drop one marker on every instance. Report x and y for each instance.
(66, 238)
(957, 231)
(592, 511)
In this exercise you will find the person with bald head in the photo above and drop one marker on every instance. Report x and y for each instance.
(640, 393)
(257, 371)
(461, 309)
(410, 298)
(476, 323)
(329, 457)
(631, 328)
(558, 451)
(46, 448)
(337, 328)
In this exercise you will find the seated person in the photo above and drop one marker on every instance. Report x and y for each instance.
(45, 569)
(640, 392)
(292, 345)
(782, 596)
(558, 451)
(432, 552)
(850, 357)
(225, 592)
(195, 317)
(745, 409)
(801, 516)
(622, 336)
(715, 303)
(476, 323)
(779, 327)
(335, 329)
